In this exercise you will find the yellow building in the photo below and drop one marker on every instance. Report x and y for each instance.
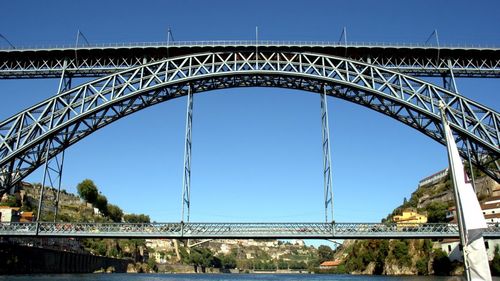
(409, 217)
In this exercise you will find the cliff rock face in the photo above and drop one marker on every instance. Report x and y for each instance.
(442, 192)
(394, 269)
(387, 257)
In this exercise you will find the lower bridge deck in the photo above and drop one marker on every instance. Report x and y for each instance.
(238, 230)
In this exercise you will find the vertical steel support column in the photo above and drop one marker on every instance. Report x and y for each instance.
(53, 168)
(64, 85)
(450, 84)
(59, 171)
(186, 181)
(42, 187)
(327, 163)
(6, 179)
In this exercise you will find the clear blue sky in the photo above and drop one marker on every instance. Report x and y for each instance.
(257, 152)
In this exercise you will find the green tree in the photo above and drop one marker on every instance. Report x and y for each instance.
(101, 203)
(101, 248)
(436, 212)
(401, 253)
(421, 265)
(298, 265)
(325, 253)
(354, 263)
(427, 246)
(441, 263)
(228, 261)
(136, 218)
(113, 252)
(12, 201)
(115, 213)
(152, 265)
(201, 257)
(87, 190)
(282, 264)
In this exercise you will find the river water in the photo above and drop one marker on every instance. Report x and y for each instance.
(222, 277)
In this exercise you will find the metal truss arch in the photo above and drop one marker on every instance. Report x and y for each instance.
(70, 116)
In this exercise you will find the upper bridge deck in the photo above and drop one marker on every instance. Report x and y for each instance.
(100, 59)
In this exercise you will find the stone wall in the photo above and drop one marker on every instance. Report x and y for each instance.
(17, 259)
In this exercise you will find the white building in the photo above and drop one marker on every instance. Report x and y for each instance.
(225, 249)
(160, 244)
(450, 246)
(9, 214)
(432, 179)
(159, 257)
(491, 212)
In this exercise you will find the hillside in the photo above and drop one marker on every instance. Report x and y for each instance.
(163, 254)
(417, 256)
(426, 197)
(246, 255)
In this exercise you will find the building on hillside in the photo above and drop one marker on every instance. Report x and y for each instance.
(97, 212)
(330, 264)
(26, 217)
(9, 214)
(160, 244)
(252, 242)
(13, 214)
(409, 217)
(435, 178)
(225, 249)
(450, 246)
(159, 257)
(490, 207)
(491, 212)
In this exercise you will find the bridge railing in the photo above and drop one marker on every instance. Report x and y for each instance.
(239, 230)
(227, 43)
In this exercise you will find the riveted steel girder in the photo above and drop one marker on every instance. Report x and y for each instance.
(70, 116)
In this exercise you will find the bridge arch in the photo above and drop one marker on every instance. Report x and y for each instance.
(68, 117)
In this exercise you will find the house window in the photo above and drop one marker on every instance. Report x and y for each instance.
(449, 248)
(487, 245)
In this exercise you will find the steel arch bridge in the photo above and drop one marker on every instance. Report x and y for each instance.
(40, 132)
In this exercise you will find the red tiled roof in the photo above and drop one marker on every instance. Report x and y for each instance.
(491, 216)
(7, 207)
(450, 240)
(331, 263)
